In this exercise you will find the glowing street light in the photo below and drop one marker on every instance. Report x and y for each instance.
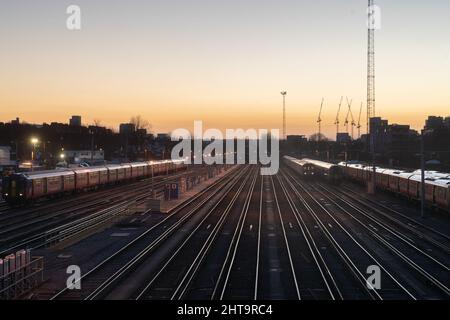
(34, 141)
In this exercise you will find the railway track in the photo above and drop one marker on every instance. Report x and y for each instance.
(14, 214)
(175, 278)
(412, 225)
(411, 248)
(48, 227)
(254, 237)
(102, 278)
(315, 276)
(354, 253)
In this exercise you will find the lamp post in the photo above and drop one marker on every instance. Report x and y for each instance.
(422, 180)
(284, 93)
(34, 142)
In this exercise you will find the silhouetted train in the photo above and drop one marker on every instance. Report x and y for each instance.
(405, 183)
(309, 167)
(30, 186)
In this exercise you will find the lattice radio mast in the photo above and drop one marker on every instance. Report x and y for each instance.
(371, 64)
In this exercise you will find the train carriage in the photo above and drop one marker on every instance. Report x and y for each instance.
(379, 177)
(127, 171)
(113, 171)
(403, 183)
(393, 180)
(81, 179)
(442, 193)
(68, 181)
(331, 172)
(122, 173)
(103, 176)
(359, 172)
(384, 179)
(302, 167)
(24, 187)
(138, 169)
(429, 190)
(414, 187)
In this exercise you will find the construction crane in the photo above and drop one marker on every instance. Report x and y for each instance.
(359, 121)
(319, 120)
(350, 113)
(336, 122)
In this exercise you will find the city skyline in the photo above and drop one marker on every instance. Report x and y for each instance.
(184, 61)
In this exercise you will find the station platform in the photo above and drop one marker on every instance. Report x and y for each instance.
(170, 205)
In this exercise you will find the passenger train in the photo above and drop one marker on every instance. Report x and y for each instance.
(27, 187)
(405, 183)
(309, 167)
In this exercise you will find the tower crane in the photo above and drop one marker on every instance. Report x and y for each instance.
(359, 121)
(319, 120)
(350, 113)
(336, 122)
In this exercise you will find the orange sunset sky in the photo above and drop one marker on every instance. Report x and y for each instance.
(223, 62)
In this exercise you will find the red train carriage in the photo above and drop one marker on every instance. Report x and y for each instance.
(25, 187)
(442, 193)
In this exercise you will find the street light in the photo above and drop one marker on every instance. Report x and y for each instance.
(34, 141)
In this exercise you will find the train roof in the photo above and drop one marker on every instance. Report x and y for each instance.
(392, 172)
(418, 178)
(320, 164)
(139, 164)
(114, 166)
(440, 182)
(406, 174)
(89, 169)
(47, 174)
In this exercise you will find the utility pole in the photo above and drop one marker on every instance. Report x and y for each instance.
(92, 147)
(284, 93)
(153, 181)
(422, 166)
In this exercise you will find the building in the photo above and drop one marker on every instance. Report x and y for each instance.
(447, 122)
(343, 137)
(163, 136)
(6, 164)
(433, 123)
(296, 139)
(5, 155)
(79, 156)
(437, 140)
(75, 121)
(127, 128)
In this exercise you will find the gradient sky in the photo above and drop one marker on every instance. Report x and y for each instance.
(220, 61)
